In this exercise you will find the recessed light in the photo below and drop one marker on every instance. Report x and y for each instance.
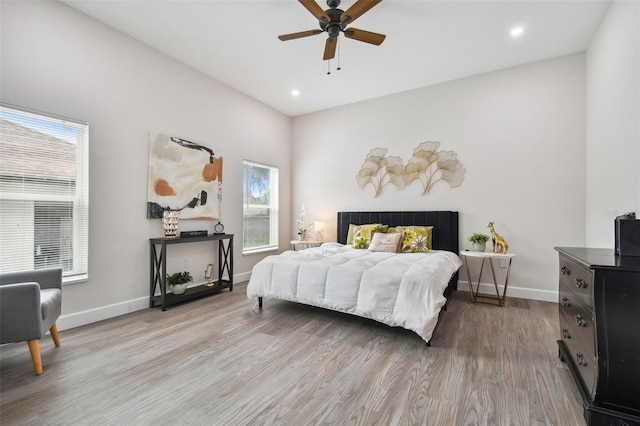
(517, 31)
(295, 93)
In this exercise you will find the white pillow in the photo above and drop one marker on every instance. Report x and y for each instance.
(385, 242)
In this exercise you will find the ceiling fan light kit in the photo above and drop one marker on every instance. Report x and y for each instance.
(334, 21)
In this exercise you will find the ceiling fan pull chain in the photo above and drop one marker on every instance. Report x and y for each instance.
(338, 41)
(328, 66)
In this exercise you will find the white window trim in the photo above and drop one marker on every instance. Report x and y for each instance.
(275, 210)
(79, 200)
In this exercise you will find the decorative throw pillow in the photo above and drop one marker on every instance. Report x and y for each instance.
(385, 242)
(363, 234)
(416, 239)
(353, 228)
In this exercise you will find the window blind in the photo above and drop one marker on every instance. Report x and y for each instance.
(44, 192)
(260, 208)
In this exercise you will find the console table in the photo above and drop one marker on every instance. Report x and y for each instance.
(158, 269)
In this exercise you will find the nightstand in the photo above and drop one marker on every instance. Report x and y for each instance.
(301, 245)
(484, 255)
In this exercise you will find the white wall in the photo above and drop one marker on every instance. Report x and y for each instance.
(56, 60)
(613, 122)
(519, 132)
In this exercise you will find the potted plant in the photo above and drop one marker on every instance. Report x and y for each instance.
(178, 281)
(478, 241)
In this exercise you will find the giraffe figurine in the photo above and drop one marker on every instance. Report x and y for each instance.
(499, 244)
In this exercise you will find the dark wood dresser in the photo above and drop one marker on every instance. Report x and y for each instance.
(599, 302)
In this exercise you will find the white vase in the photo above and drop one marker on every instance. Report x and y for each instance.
(170, 219)
(478, 246)
(179, 288)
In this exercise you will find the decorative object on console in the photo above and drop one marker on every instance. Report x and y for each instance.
(499, 244)
(183, 176)
(208, 276)
(479, 241)
(218, 228)
(178, 281)
(170, 220)
(427, 165)
(188, 234)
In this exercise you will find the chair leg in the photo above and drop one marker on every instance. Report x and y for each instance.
(34, 348)
(54, 334)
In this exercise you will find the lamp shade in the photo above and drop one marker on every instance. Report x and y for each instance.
(319, 227)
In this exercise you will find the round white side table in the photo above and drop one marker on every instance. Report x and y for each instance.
(484, 255)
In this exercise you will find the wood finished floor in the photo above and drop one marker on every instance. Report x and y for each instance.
(214, 361)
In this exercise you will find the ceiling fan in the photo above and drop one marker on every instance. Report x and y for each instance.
(333, 21)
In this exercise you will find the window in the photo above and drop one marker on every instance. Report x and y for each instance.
(260, 208)
(44, 193)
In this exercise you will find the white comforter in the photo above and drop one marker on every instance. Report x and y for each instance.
(404, 290)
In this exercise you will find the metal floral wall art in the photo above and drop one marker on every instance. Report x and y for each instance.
(380, 170)
(427, 166)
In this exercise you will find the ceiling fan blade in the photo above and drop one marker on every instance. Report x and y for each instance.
(357, 10)
(330, 48)
(301, 34)
(316, 10)
(366, 36)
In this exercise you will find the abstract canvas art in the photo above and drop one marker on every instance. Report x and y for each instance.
(183, 176)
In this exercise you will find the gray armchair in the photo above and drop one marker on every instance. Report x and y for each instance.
(30, 304)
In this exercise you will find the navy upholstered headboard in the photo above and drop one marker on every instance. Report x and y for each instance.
(444, 235)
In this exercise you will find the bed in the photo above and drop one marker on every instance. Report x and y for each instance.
(405, 290)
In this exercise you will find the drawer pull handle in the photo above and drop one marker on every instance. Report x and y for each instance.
(580, 283)
(580, 321)
(565, 301)
(565, 270)
(580, 359)
(566, 334)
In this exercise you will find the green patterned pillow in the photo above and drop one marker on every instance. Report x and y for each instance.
(416, 239)
(353, 228)
(363, 234)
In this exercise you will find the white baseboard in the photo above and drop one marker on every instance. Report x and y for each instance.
(77, 319)
(512, 291)
(242, 277)
(101, 313)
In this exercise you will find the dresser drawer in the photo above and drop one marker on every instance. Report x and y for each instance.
(577, 317)
(582, 357)
(578, 323)
(577, 279)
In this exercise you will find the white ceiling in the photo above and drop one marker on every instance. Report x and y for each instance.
(427, 42)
